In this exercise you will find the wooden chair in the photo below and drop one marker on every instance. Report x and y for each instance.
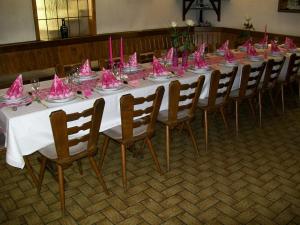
(219, 90)
(67, 149)
(248, 89)
(136, 125)
(273, 69)
(291, 76)
(183, 100)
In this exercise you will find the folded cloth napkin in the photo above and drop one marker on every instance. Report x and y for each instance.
(199, 61)
(169, 55)
(59, 90)
(109, 80)
(264, 40)
(201, 49)
(85, 69)
(225, 46)
(251, 50)
(274, 47)
(229, 57)
(16, 89)
(289, 43)
(132, 62)
(158, 69)
(247, 43)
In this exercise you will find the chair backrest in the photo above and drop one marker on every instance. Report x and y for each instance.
(220, 86)
(178, 101)
(273, 69)
(61, 132)
(293, 67)
(250, 79)
(132, 118)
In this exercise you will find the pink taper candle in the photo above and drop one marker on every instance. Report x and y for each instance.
(110, 51)
(121, 52)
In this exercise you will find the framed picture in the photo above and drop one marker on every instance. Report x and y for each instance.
(292, 6)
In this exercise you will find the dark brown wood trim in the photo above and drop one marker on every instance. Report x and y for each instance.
(36, 24)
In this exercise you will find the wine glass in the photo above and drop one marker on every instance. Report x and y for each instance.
(35, 83)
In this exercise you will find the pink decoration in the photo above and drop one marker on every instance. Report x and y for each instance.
(246, 44)
(229, 57)
(16, 89)
(87, 92)
(169, 55)
(251, 50)
(85, 69)
(264, 41)
(121, 52)
(289, 43)
(109, 80)
(199, 62)
(274, 47)
(201, 49)
(225, 46)
(132, 62)
(110, 51)
(59, 90)
(158, 69)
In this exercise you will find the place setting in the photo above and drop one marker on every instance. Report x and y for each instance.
(84, 73)
(159, 72)
(200, 65)
(109, 83)
(230, 60)
(132, 66)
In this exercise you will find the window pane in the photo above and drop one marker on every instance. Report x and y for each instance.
(51, 9)
(84, 26)
(43, 30)
(83, 8)
(74, 27)
(62, 9)
(40, 7)
(73, 8)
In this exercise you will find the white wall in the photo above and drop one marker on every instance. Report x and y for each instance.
(16, 21)
(262, 12)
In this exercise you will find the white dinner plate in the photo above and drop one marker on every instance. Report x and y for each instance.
(80, 77)
(255, 58)
(227, 64)
(106, 90)
(61, 100)
(16, 100)
(199, 70)
(129, 70)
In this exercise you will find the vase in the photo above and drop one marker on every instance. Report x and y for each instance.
(175, 58)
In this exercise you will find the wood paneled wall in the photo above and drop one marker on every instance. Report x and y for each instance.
(21, 57)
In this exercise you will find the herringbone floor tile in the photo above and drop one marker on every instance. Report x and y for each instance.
(250, 179)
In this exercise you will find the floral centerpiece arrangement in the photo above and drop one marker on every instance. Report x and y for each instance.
(246, 33)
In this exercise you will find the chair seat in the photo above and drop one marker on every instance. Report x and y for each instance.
(116, 132)
(204, 102)
(50, 151)
(235, 93)
(181, 116)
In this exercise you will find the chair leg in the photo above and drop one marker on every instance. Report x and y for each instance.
(299, 88)
(104, 151)
(206, 129)
(223, 117)
(123, 158)
(168, 147)
(31, 171)
(282, 97)
(150, 147)
(272, 101)
(61, 188)
(189, 128)
(98, 174)
(80, 167)
(250, 102)
(236, 117)
(260, 109)
(42, 172)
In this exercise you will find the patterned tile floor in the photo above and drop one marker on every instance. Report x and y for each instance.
(250, 179)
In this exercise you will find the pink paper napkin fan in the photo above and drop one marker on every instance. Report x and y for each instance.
(225, 46)
(132, 62)
(247, 43)
(289, 43)
(274, 47)
(229, 57)
(251, 50)
(169, 55)
(85, 69)
(109, 80)
(201, 49)
(16, 89)
(158, 69)
(59, 90)
(199, 61)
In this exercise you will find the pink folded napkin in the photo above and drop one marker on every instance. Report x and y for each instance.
(264, 40)
(16, 89)
(274, 47)
(85, 69)
(247, 43)
(225, 46)
(289, 43)
(132, 62)
(201, 49)
(59, 90)
(169, 55)
(109, 80)
(251, 50)
(229, 57)
(158, 69)
(199, 61)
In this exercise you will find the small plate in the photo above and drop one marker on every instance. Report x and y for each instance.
(61, 100)
(220, 52)
(86, 77)
(160, 78)
(100, 89)
(242, 48)
(229, 64)
(16, 100)
(197, 70)
(129, 70)
(255, 58)
(276, 54)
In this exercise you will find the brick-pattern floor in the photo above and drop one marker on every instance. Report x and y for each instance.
(250, 179)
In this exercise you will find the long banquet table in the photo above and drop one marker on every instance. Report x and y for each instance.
(28, 128)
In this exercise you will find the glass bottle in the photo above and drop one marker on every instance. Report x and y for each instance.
(64, 31)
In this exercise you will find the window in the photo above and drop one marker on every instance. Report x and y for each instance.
(79, 16)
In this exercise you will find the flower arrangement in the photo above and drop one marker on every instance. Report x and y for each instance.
(182, 40)
(246, 32)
